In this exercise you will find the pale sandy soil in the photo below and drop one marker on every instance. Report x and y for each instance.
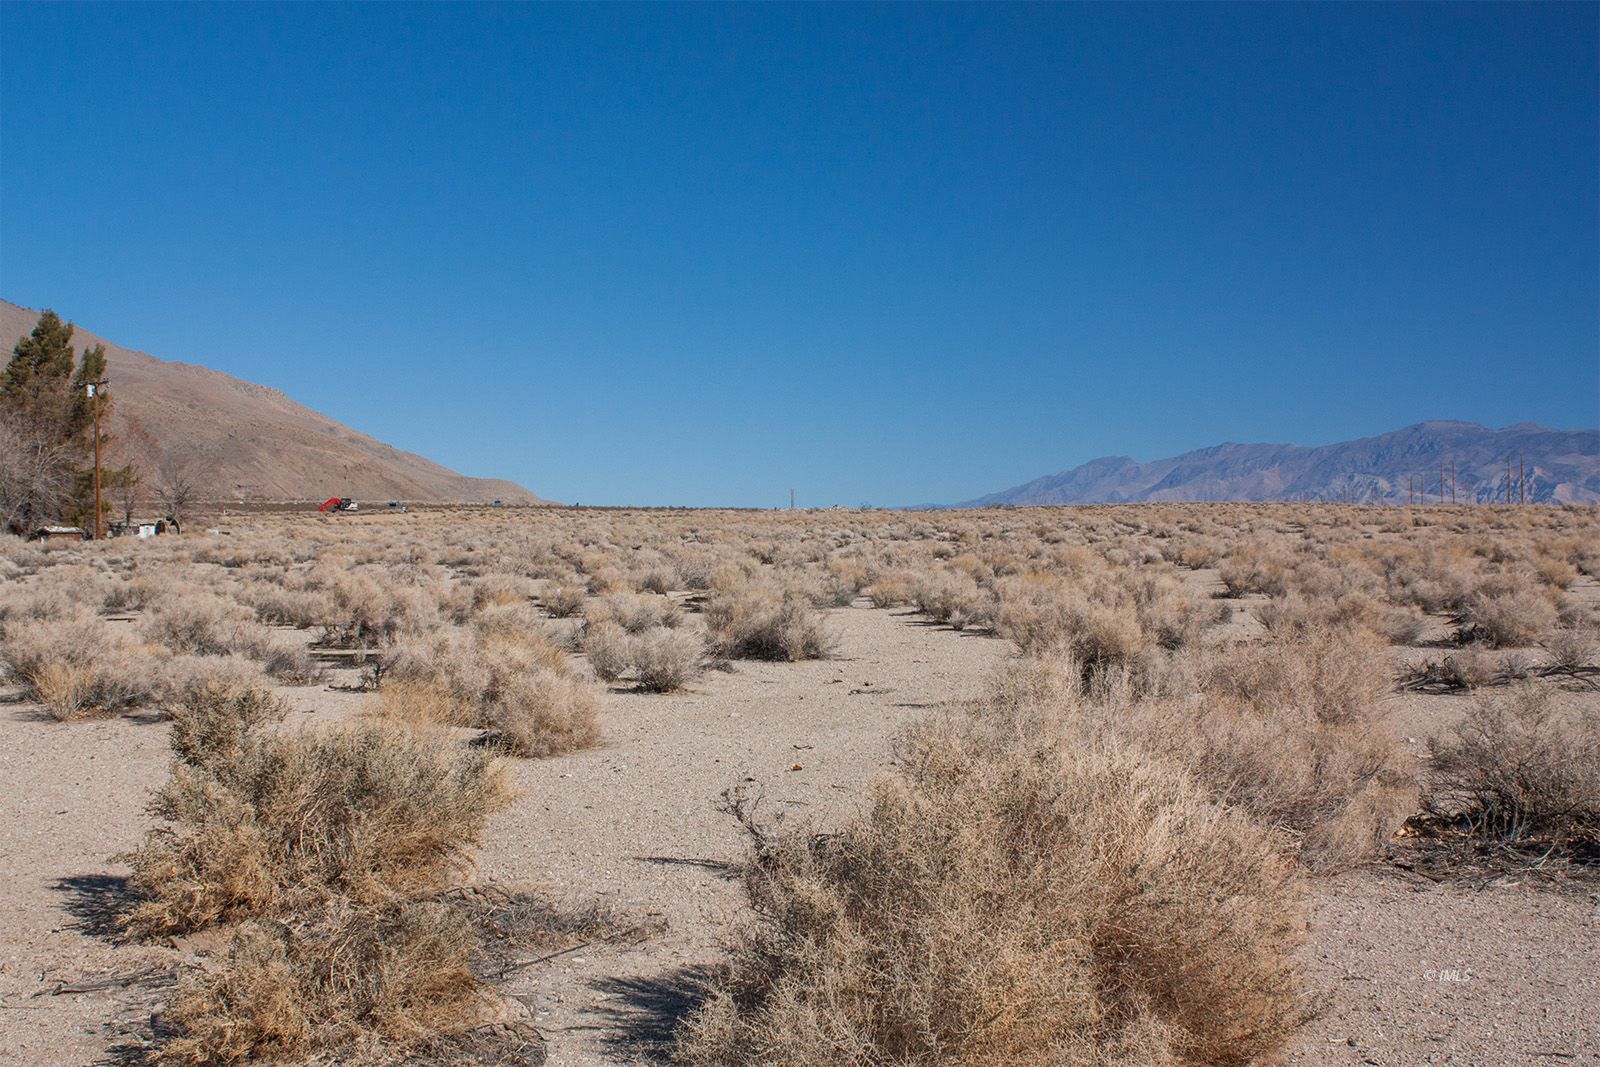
(1468, 971)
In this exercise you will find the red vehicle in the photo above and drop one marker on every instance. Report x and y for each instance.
(339, 503)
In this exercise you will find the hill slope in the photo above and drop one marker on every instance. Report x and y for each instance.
(1563, 467)
(249, 441)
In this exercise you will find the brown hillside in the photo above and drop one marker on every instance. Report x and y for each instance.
(249, 441)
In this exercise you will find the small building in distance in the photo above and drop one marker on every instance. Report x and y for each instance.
(59, 533)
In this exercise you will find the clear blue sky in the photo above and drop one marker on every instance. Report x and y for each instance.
(887, 254)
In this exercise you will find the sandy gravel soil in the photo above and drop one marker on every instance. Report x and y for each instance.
(1462, 972)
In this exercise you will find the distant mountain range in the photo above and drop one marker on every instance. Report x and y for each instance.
(240, 440)
(1559, 467)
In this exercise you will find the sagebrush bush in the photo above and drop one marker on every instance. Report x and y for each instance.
(210, 721)
(1521, 770)
(565, 598)
(1050, 618)
(1010, 901)
(1295, 732)
(665, 660)
(79, 667)
(541, 713)
(609, 650)
(259, 821)
(634, 612)
(208, 625)
(400, 976)
(764, 622)
(1512, 619)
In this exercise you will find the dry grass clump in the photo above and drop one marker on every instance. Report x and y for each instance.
(260, 821)
(391, 978)
(1007, 900)
(1522, 771)
(760, 621)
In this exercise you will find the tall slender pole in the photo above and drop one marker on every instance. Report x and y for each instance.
(1452, 482)
(94, 394)
(1441, 483)
(1508, 479)
(1522, 483)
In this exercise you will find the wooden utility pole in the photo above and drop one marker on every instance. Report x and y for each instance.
(791, 500)
(94, 395)
(1508, 480)
(1522, 485)
(1441, 483)
(1452, 482)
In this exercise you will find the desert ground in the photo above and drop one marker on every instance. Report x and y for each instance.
(807, 787)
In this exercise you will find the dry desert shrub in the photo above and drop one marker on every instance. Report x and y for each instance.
(661, 659)
(1294, 732)
(260, 821)
(1048, 618)
(609, 649)
(634, 612)
(388, 980)
(420, 704)
(666, 660)
(541, 713)
(1509, 618)
(210, 721)
(761, 621)
(1252, 570)
(489, 591)
(280, 603)
(82, 666)
(208, 625)
(1521, 770)
(1572, 651)
(891, 590)
(519, 686)
(1012, 901)
(564, 597)
(951, 597)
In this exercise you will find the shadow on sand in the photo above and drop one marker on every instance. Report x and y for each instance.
(642, 1012)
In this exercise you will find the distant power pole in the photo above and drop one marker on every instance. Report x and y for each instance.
(1441, 483)
(791, 500)
(94, 394)
(1522, 485)
(1452, 482)
(1508, 479)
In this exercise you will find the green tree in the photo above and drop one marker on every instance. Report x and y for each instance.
(49, 415)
